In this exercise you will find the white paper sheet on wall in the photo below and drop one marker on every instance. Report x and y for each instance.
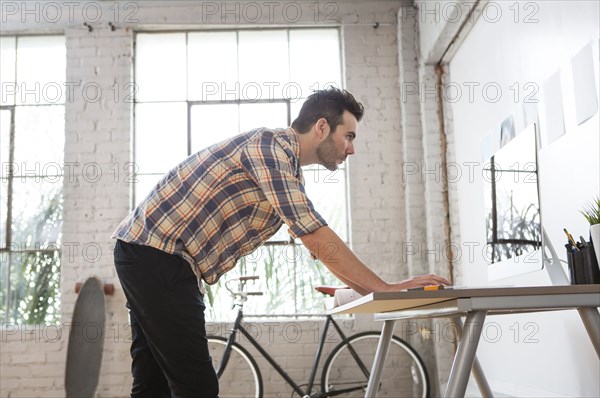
(553, 101)
(584, 84)
(489, 145)
(530, 113)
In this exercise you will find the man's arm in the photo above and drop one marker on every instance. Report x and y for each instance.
(327, 246)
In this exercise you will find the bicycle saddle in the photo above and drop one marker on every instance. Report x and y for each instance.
(329, 290)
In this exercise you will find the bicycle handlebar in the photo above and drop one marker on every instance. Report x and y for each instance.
(241, 293)
(244, 294)
(248, 278)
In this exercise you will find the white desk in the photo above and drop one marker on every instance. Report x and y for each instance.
(475, 304)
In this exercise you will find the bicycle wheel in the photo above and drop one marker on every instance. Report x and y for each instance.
(404, 374)
(241, 376)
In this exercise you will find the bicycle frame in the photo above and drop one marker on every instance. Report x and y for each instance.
(311, 381)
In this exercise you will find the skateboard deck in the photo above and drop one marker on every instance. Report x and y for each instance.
(86, 341)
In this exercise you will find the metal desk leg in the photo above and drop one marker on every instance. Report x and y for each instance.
(465, 354)
(380, 356)
(591, 320)
(484, 387)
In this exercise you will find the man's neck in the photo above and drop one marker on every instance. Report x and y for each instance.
(308, 148)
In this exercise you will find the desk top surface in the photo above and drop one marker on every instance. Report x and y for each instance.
(395, 301)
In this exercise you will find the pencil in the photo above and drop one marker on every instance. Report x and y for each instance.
(571, 240)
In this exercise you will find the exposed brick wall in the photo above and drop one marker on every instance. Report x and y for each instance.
(32, 362)
(424, 190)
(98, 132)
(376, 194)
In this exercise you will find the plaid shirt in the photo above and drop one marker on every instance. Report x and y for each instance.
(224, 201)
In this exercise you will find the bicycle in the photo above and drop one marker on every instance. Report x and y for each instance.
(346, 369)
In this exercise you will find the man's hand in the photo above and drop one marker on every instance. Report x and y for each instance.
(418, 281)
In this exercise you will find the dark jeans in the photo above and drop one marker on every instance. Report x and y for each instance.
(169, 347)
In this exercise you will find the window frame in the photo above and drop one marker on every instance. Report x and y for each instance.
(7, 249)
(291, 242)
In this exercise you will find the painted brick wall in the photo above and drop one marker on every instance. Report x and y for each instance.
(376, 193)
(98, 134)
(425, 209)
(98, 139)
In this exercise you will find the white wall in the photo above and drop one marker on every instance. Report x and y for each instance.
(503, 52)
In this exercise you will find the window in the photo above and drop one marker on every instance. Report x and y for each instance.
(32, 125)
(198, 88)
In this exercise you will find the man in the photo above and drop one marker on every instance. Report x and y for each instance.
(216, 206)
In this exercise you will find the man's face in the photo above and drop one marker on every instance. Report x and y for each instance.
(339, 143)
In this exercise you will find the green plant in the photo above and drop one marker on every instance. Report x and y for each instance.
(591, 211)
(34, 295)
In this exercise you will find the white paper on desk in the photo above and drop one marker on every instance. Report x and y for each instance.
(341, 297)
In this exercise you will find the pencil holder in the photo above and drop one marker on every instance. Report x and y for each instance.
(583, 266)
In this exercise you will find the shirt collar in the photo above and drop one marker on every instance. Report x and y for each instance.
(295, 144)
(294, 141)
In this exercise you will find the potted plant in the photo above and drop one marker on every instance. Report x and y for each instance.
(591, 212)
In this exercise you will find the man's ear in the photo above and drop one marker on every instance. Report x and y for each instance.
(322, 128)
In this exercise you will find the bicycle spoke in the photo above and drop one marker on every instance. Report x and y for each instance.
(404, 374)
(240, 376)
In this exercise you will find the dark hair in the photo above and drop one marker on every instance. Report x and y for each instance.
(330, 104)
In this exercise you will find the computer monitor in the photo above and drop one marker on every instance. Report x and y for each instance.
(512, 204)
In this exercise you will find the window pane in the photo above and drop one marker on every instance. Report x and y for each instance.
(39, 139)
(3, 284)
(212, 65)
(160, 71)
(213, 123)
(3, 211)
(263, 115)
(160, 136)
(282, 235)
(36, 212)
(312, 66)
(41, 69)
(295, 106)
(311, 273)
(35, 287)
(275, 267)
(4, 138)
(287, 276)
(144, 184)
(263, 59)
(327, 191)
(8, 61)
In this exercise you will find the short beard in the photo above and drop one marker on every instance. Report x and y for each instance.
(323, 150)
